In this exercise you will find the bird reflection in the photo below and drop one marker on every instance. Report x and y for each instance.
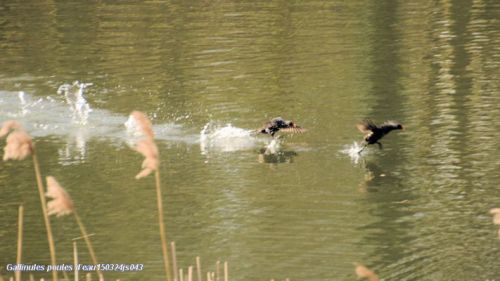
(278, 157)
(372, 176)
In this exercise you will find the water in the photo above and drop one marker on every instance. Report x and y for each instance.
(208, 74)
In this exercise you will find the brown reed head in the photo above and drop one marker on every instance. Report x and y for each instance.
(149, 150)
(18, 147)
(143, 123)
(61, 204)
(9, 125)
(363, 272)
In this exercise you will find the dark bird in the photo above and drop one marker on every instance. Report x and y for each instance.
(279, 124)
(374, 133)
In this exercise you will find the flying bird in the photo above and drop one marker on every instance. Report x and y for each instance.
(279, 124)
(374, 133)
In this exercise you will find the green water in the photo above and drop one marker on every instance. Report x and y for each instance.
(416, 210)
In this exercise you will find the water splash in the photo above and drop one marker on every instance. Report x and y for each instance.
(226, 138)
(273, 147)
(74, 98)
(353, 151)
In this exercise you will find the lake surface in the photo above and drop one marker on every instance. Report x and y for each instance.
(308, 208)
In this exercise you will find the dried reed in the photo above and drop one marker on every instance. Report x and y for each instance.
(217, 271)
(144, 124)
(181, 275)
(226, 271)
(198, 268)
(190, 274)
(75, 260)
(19, 241)
(8, 126)
(174, 261)
(147, 147)
(19, 146)
(496, 215)
(63, 205)
(363, 272)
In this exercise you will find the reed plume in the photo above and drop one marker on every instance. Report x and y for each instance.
(9, 125)
(363, 272)
(19, 146)
(496, 215)
(63, 205)
(143, 123)
(149, 150)
(147, 147)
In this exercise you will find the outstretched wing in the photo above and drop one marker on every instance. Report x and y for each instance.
(293, 130)
(388, 126)
(366, 126)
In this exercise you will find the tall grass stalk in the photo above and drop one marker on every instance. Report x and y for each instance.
(217, 271)
(198, 268)
(181, 274)
(163, 234)
(19, 240)
(174, 261)
(50, 237)
(190, 273)
(226, 272)
(88, 242)
(75, 260)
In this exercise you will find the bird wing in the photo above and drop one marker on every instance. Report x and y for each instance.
(293, 130)
(366, 126)
(389, 125)
(267, 125)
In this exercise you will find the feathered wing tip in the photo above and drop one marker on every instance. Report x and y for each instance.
(294, 130)
(61, 204)
(144, 123)
(19, 146)
(9, 125)
(392, 124)
(366, 126)
(149, 150)
(363, 272)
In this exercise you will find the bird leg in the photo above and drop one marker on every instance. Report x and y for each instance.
(379, 145)
(363, 148)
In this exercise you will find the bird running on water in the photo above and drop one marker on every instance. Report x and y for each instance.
(279, 124)
(374, 133)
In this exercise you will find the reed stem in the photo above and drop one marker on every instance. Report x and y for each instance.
(19, 241)
(181, 275)
(163, 234)
(88, 242)
(226, 272)
(198, 268)
(217, 271)
(50, 238)
(190, 273)
(75, 260)
(174, 261)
